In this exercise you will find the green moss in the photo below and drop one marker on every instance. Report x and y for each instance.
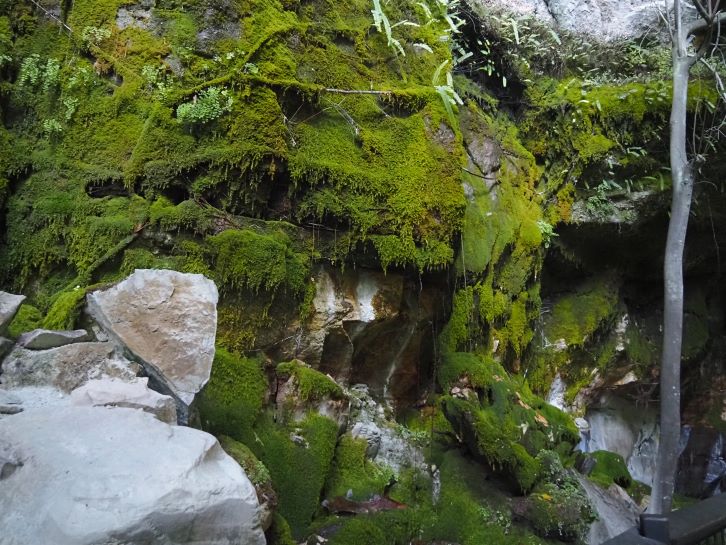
(610, 468)
(312, 385)
(27, 319)
(577, 316)
(504, 424)
(244, 258)
(352, 471)
(298, 459)
(232, 399)
(187, 215)
(65, 309)
(279, 532)
(255, 470)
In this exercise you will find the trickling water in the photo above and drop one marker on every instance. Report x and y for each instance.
(556, 395)
(405, 339)
(436, 484)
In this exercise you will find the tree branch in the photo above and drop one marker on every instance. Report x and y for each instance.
(700, 25)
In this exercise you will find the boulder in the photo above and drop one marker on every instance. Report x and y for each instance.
(66, 367)
(168, 321)
(9, 403)
(135, 394)
(9, 305)
(6, 345)
(389, 443)
(91, 475)
(43, 339)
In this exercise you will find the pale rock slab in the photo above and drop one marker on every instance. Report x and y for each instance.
(9, 305)
(44, 339)
(64, 368)
(92, 475)
(135, 394)
(9, 403)
(168, 321)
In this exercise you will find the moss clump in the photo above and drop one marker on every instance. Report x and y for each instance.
(65, 309)
(255, 470)
(575, 317)
(298, 458)
(27, 319)
(279, 532)
(610, 468)
(233, 397)
(504, 423)
(351, 470)
(247, 259)
(311, 385)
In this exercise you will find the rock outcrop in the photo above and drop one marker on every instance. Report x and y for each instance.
(90, 475)
(168, 321)
(134, 394)
(601, 20)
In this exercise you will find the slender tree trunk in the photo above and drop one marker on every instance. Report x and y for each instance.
(670, 374)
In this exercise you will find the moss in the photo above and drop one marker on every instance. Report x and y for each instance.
(244, 258)
(298, 459)
(187, 215)
(255, 470)
(504, 424)
(232, 399)
(577, 316)
(65, 309)
(28, 318)
(311, 385)
(610, 468)
(279, 532)
(351, 470)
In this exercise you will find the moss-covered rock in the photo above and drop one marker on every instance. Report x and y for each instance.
(610, 468)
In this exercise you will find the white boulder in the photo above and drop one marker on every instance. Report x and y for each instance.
(134, 394)
(92, 476)
(168, 321)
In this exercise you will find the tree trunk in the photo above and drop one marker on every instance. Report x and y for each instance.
(670, 374)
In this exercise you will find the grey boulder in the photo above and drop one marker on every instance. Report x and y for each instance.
(92, 476)
(64, 368)
(9, 403)
(135, 394)
(44, 339)
(9, 305)
(168, 321)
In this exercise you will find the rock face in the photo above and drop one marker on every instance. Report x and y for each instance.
(64, 368)
(702, 465)
(372, 328)
(389, 443)
(132, 395)
(43, 339)
(602, 20)
(91, 475)
(168, 321)
(617, 512)
(616, 425)
(9, 305)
